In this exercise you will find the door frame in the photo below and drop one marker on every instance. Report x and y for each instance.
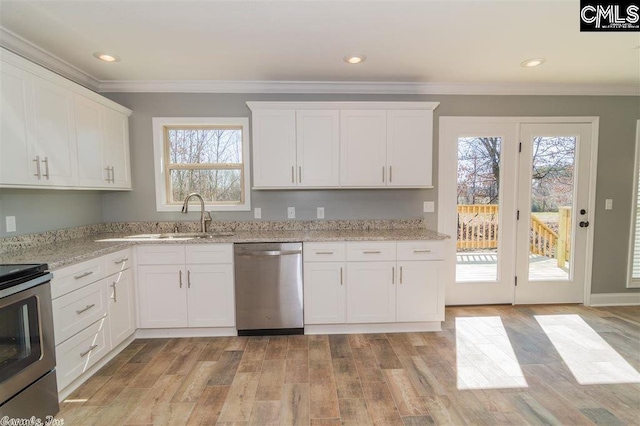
(447, 187)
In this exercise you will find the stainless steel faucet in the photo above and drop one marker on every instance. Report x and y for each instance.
(205, 216)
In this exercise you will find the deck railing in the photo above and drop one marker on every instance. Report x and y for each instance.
(478, 229)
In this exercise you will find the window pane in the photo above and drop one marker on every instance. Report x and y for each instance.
(193, 146)
(214, 185)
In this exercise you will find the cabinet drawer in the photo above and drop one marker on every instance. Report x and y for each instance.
(73, 277)
(209, 253)
(77, 354)
(324, 252)
(161, 255)
(371, 251)
(75, 311)
(420, 250)
(118, 261)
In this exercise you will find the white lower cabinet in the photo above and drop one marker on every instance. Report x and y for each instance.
(122, 314)
(373, 282)
(371, 292)
(196, 294)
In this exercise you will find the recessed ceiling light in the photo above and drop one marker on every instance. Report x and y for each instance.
(533, 62)
(354, 59)
(106, 57)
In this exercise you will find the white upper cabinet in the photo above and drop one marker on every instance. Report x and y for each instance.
(115, 149)
(55, 132)
(342, 144)
(363, 140)
(274, 148)
(409, 147)
(318, 147)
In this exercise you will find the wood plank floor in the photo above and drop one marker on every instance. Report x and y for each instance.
(360, 379)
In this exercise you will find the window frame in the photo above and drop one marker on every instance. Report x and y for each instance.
(634, 282)
(161, 171)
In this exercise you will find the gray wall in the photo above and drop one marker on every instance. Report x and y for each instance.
(39, 210)
(618, 117)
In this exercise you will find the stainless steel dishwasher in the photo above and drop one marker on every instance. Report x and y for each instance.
(268, 280)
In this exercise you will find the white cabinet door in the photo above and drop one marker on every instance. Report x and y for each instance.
(211, 301)
(163, 296)
(89, 133)
(318, 147)
(54, 133)
(371, 292)
(324, 293)
(116, 148)
(121, 306)
(409, 147)
(274, 148)
(417, 291)
(363, 140)
(16, 166)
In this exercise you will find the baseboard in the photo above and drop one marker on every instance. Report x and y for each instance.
(615, 299)
(401, 327)
(158, 333)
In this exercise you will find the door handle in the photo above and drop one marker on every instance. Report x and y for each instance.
(299, 174)
(383, 174)
(37, 161)
(393, 275)
(46, 167)
(86, 274)
(293, 179)
(341, 275)
(584, 224)
(180, 275)
(115, 294)
(189, 279)
(390, 173)
(401, 275)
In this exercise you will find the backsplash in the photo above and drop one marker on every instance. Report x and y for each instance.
(31, 240)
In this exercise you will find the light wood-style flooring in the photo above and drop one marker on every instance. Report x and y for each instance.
(362, 379)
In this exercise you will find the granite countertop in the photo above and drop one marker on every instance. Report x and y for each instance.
(63, 253)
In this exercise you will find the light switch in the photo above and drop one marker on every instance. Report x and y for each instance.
(608, 204)
(429, 207)
(257, 213)
(320, 213)
(11, 223)
(291, 212)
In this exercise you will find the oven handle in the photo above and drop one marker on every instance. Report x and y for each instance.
(25, 285)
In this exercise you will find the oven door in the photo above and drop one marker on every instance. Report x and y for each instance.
(27, 349)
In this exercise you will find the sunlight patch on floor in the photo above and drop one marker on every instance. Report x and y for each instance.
(589, 357)
(485, 357)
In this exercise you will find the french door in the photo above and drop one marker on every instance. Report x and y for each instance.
(515, 197)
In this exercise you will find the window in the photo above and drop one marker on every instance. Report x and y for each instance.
(634, 249)
(209, 156)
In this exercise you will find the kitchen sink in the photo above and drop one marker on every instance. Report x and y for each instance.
(171, 235)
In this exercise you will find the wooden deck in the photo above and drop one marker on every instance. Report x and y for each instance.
(483, 266)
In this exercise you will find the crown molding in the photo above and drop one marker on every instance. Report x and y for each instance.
(347, 87)
(22, 47)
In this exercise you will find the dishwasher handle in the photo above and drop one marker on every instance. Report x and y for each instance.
(256, 253)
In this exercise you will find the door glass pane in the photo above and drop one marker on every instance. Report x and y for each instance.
(552, 195)
(478, 199)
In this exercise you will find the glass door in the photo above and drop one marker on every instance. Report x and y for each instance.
(482, 219)
(553, 199)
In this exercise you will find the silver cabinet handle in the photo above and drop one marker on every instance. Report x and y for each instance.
(422, 251)
(371, 252)
(86, 308)
(390, 173)
(86, 274)
(108, 169)
(115, 293)
(324, 252)
(401, 275)
(189, 279)
(113, 175)
(393, 275)
(180, 273)
(341, 275)
(46, 167)
(293, 178)
(37, 161)
(124, 259)
(299, 174)
(383, 174)
(92, 347)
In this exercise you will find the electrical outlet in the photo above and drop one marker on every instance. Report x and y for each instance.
(11, 223)
(429, 207)
(320, 214)
(291, 212)
(257, 213)
(608, 204)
